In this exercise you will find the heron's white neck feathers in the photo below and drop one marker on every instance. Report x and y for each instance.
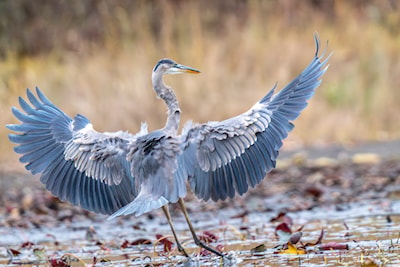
(167, 94)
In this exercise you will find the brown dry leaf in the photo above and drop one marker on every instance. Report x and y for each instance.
(319, 240)
(295, 237)
(140, 241)
(240, 215)
(258, 249)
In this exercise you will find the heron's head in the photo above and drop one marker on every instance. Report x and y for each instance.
(168, 66)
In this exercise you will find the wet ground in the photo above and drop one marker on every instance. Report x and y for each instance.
(323, 207)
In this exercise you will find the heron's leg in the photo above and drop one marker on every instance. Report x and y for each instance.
(166, 212)
(195, 238)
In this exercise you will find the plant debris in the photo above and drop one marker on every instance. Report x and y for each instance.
(286, 194)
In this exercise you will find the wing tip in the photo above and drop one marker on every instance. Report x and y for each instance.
(317, 43)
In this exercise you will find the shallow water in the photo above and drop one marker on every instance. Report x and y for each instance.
(371, 229)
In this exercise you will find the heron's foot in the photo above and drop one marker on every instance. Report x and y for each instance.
(201, 244)
(183, 251)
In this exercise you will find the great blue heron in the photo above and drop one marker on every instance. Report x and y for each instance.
(120, 173)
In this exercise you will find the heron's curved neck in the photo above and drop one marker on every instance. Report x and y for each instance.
(167, 94)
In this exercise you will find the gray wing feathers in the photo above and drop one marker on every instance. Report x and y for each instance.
(92, 174)
(100, 156)
(221, 158)
(218, 143)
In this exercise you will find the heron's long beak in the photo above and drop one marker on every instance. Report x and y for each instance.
(178, 68)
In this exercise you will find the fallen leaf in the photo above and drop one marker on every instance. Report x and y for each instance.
(258, 249)
(208, 237)
(240, 215)
(369, 263)
(283, 237)
(292, 249)
(283, 227)
(166, 242)
(40, 253)
(333, 246)
(13, 252)
(140, 241)
(125, 244)
(281, 217)
(283, 232)
(295, 237)
(136, 242)
(58, 263)
(204, 252)
(220, 248)
(314, 191)
(319, 240)
(27, 245)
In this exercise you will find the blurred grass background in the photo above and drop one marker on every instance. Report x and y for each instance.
(95, 57)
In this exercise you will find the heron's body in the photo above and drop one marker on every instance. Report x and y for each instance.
(121, 173)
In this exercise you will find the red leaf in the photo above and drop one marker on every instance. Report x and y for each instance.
(283, 227)
(27, 245)
(158, 236)
(281, 217)
(278, 217)
(125, 244)
(167, 243)
(14, 252)
(208, 237)
(204, 252)
(140, 241)
(58, 263)
(220, 248)
(333, 245)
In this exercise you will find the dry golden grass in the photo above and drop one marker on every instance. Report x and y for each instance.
(241, 55)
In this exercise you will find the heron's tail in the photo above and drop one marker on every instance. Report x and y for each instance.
(143, 203)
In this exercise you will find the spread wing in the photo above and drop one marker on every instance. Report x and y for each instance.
(222, 158)
(77, 164)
